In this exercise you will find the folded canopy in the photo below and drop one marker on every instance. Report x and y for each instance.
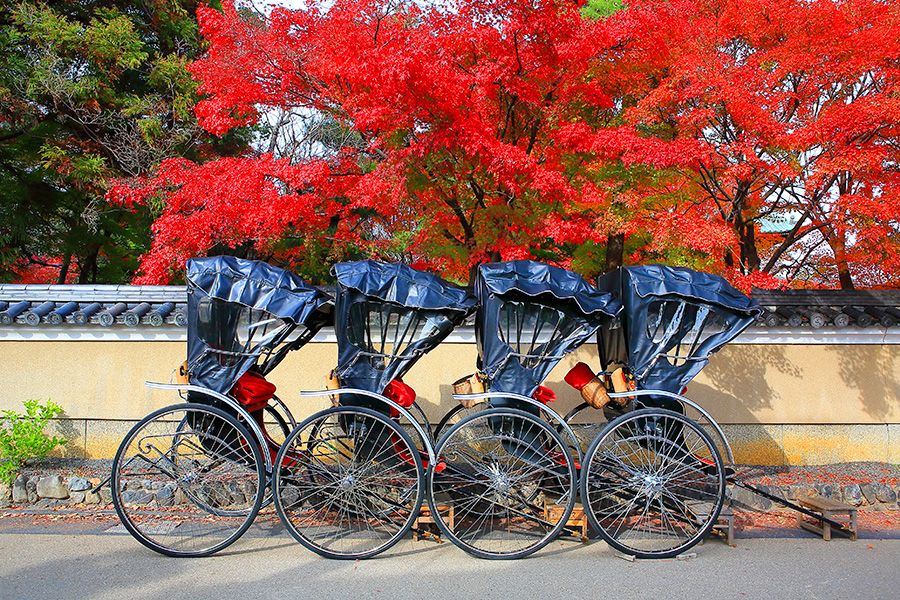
(386, 317)
(256, 285)
(239, 310)
(401, 284)
(674, 318)
(532, 314)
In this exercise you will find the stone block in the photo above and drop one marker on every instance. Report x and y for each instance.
(49, 503)
(5, 494)
(76, 497)
(868, 492)
(20, 489)
(134, 497)
(165, 496)
(827, 490)
(744, 498)
(78, 484)
(52, 487)
(853, 495)
(884, 493)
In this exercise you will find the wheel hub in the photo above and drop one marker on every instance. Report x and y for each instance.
(501, 483)
(348, 483)
(652, 486)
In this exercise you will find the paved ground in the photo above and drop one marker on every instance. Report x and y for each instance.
(90, 558)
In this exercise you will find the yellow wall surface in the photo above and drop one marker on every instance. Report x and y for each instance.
(778, 404)
(755, 384)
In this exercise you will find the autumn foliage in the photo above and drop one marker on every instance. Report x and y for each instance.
(755, 139)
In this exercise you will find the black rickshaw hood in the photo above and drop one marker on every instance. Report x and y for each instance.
(533, 279)
(371, 294)
(533, 284)
(662, 280)
(242, 284)
(401, 284)
(646, 289)
(255, 284)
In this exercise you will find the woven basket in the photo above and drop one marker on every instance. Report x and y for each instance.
(594, 393)
(470, 384)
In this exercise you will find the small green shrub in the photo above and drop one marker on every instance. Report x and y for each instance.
(22, 437)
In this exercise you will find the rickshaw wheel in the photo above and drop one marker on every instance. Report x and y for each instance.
(653, 483)
(348, 483)
(188, 480)
(501, 474)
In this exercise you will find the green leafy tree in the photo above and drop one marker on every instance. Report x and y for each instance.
(90, 91)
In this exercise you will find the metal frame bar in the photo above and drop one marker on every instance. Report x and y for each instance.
(291, 421)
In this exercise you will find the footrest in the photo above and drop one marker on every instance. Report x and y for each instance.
(577, 520)
(725, 525)
(829, 509)
(426, 518)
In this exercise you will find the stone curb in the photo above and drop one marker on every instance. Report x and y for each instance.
(874, 496)
(46, 491)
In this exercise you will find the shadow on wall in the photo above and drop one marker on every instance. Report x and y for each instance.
(739, 385)
(73, 432)
(873, 373)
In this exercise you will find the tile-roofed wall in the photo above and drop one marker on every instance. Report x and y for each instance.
(838, 309)
(154, 305)
(105, 305)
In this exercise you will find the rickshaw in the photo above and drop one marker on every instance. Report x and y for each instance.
(189, 479)
(653, 481)
(506, 481)
(350, 479)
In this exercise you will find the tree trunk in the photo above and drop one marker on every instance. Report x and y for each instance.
(615, 252)
(88, 266)
(749, 255)
(845, 279)
(64, 269)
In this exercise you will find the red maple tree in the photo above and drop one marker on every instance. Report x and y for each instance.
(796, 106)
(749, 138)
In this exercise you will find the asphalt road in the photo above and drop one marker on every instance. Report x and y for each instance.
(96, 561)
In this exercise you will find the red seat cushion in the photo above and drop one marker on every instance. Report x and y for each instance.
(579, 376)
(543, 394)
(253, 391)
(400, 393)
